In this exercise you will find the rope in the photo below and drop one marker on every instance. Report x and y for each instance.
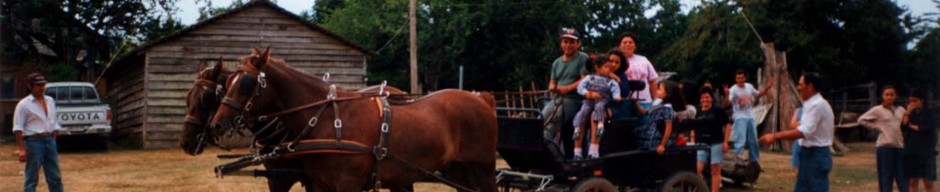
(749, 24)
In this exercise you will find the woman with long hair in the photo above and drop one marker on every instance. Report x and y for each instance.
(649, 136)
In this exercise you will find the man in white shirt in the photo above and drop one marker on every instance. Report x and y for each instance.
(35, 127)
(744, 130)
(815, 127)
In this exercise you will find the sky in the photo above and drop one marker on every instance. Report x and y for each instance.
(189, 11)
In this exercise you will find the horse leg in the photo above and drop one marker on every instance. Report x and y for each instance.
(279, 184)
(478, 176)
(307, 184)
(349, 183)
(484, 175)
(402, 188)
(459, 172)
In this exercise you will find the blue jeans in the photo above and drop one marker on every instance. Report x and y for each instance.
(711, 156)
(890, 169)
(42, 152)
(560, 126)
(815, 164)
(745, 133)
(795, 152)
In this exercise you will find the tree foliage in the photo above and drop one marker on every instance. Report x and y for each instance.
(850, 42)
(82, 34)
(501, 45)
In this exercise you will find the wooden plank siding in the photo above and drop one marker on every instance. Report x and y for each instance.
(127, 93)
(157, 101)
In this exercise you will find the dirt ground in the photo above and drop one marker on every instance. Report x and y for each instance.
(172, 170)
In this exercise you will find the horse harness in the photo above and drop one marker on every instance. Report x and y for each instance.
(336, 145)
(209, 100)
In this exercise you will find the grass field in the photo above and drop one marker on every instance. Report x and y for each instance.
(172, 170)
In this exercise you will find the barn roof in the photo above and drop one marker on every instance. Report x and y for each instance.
(253, 3)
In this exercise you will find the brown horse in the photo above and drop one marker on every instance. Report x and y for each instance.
(204, 97)
(451, 131)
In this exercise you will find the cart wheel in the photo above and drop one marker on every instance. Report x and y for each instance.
(685, 181)
(595, 184)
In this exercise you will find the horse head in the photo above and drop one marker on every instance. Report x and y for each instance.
(251, 94)
(201, 100)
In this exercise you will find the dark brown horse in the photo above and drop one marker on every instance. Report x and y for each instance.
(451, 131)
(201, 100)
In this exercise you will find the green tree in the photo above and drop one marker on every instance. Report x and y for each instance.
(716, 42)
(208, 11)
(80, 34)
(850, 42)
(924, 66)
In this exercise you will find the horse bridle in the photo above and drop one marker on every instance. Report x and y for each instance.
(339, 145)
(245, 81)
(209, 100)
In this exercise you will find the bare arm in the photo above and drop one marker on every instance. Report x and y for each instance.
(552, 86)
(783, 135)
(763, 91)
(19, 144)
(653, 89)
(570, 87)
(666, 134)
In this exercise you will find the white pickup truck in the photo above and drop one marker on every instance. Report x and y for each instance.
(80, 111)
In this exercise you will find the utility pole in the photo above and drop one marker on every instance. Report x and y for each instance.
(413, 47)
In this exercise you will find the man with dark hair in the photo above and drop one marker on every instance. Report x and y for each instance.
(567, 71)
(742, 96)
(815, 127)
(34, 123)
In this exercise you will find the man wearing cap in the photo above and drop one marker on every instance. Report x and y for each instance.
(565, 74)
(34, 123)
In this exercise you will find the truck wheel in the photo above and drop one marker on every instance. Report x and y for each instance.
(685, 181)
(595, 184)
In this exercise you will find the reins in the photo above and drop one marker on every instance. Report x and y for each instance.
(337, 145)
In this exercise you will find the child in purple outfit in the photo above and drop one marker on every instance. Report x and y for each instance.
(606, 88)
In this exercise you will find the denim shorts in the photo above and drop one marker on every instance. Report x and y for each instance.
(714, 151)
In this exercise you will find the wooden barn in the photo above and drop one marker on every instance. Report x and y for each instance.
(148, 86)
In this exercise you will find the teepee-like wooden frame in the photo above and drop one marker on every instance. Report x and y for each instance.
(782, 99)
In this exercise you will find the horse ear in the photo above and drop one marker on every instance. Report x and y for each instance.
(202, 66)
(218, 68)
(263, 58)
(255, 52)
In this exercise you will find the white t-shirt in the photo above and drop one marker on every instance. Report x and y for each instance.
(742, 99)
(816, 123)
(642, 69)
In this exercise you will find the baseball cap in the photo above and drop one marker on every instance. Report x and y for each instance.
(36, 79)
(569, 33)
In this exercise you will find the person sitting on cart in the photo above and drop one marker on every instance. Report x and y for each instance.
(619, 64)
(649, 136)
(605, 88)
